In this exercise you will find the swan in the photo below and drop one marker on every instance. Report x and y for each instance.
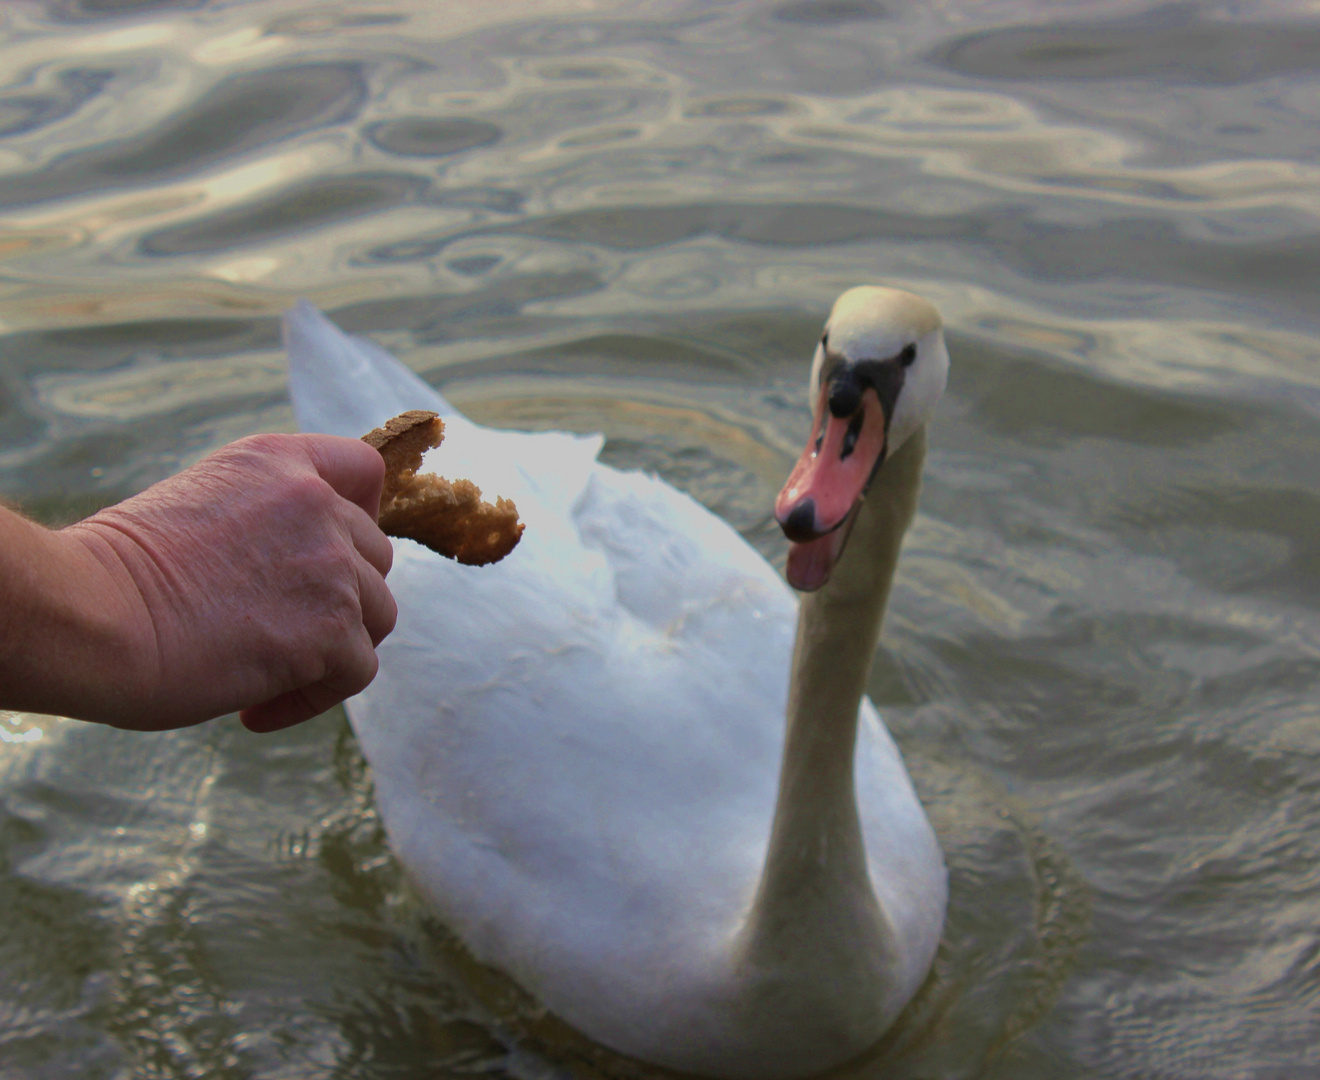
(611, 764)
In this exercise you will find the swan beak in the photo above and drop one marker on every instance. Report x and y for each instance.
(819, 501)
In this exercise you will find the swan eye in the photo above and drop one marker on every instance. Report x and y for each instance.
(851, 436)
(908, 354)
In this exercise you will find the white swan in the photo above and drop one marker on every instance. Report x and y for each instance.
(577, 751)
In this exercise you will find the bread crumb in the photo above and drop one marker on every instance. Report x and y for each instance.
(447, 516)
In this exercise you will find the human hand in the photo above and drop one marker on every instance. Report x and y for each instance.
(252, 581)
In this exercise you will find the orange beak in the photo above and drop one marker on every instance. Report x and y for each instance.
(819, 501)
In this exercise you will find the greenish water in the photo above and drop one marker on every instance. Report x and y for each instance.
(1103, 653)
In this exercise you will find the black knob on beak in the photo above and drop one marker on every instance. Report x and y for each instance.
(800, 524)
(845, 396)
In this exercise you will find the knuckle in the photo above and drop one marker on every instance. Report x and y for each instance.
(352, 668)
(305, 663)
(338, 613)
(311, 493)
(259, 466)
(347, 620)
(363, 672)
(267, 442)
(260, 450)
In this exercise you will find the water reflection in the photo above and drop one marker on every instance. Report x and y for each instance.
(1176, 43)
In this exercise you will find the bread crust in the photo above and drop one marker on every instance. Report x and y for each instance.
(447, 516)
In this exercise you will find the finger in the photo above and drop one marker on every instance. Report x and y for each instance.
(355, 470)
(297, 706)
(289, 709)
(348, 671)
(379, 611)
(372, 544)
(279, 713)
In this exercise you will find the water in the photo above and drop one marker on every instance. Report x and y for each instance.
(1103, 654)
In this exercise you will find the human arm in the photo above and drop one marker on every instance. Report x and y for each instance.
(252, 581)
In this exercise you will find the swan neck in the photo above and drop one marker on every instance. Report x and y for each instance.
(815, 880)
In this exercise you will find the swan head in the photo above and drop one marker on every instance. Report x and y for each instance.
(879, 371)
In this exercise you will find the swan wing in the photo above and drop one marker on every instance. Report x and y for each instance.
(622, 673)
(902, 851)
(342, 385)
(576, 750)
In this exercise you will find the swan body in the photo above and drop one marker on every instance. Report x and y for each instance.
(577, 754)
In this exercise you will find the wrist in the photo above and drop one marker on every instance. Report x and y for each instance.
(111, 622)
(72, 631)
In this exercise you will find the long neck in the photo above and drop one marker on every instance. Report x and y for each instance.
(815, 893)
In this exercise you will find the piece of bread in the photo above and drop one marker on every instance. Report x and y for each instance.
(448, 516)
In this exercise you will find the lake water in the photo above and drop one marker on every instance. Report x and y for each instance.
(1103, 654)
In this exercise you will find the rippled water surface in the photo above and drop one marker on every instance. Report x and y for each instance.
(1103, 653)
